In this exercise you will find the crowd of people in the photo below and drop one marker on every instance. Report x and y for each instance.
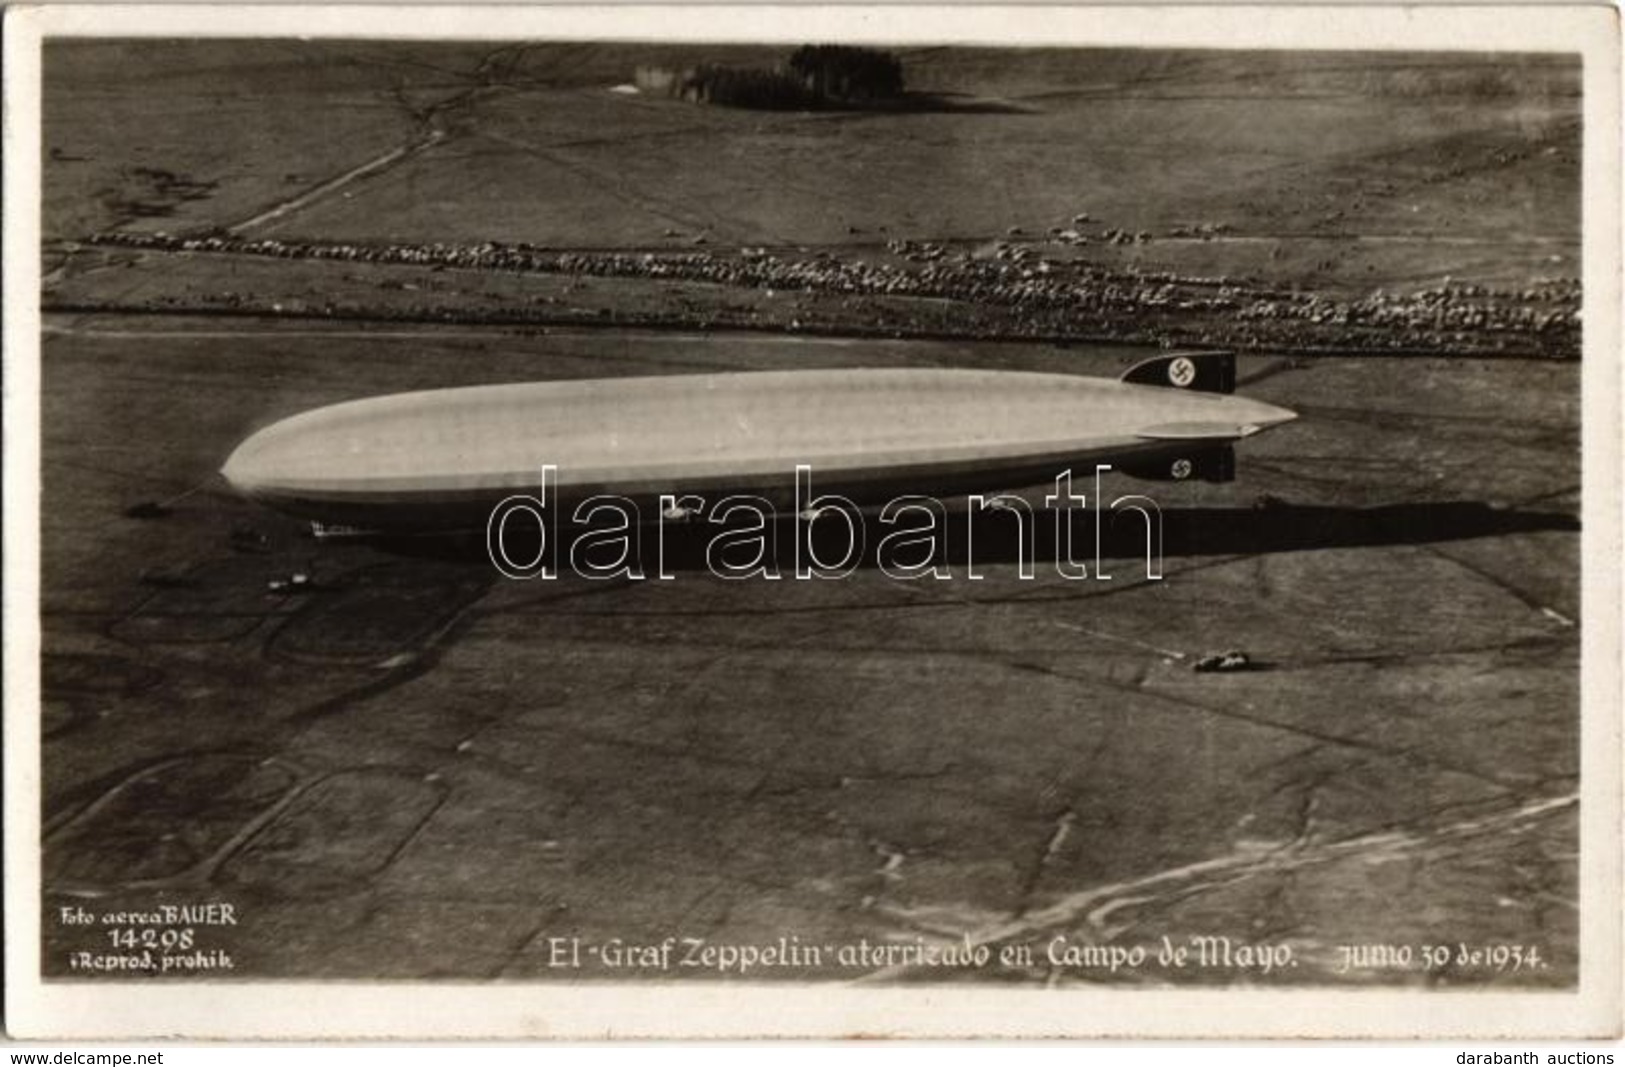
(1015, 288)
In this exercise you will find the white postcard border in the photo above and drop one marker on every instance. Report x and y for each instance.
(465, 1010)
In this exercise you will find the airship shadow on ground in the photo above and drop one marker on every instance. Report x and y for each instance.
(968, 539)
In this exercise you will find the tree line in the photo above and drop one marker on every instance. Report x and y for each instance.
(813, 76)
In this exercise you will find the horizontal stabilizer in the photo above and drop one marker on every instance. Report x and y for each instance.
(1199, 372)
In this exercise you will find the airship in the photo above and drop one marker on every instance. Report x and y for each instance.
(442, 459)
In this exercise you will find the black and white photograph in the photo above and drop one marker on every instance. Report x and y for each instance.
(877, 506)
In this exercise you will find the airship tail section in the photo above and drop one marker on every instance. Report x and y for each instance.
(1196, 372)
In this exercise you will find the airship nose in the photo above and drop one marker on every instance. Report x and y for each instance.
(234, 470)
(238, 470)
(327, 448)
(247, 469)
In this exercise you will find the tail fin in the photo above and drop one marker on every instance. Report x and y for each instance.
(1217, 464)
(1200, 372)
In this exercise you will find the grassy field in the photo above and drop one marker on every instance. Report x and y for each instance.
(1336, 173)
(468, 764)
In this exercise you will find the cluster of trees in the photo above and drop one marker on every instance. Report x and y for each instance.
(748, 87)
(814, 76)
(847, 72)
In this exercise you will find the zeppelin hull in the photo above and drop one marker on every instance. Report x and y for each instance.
(399, 509)
(444, 458)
